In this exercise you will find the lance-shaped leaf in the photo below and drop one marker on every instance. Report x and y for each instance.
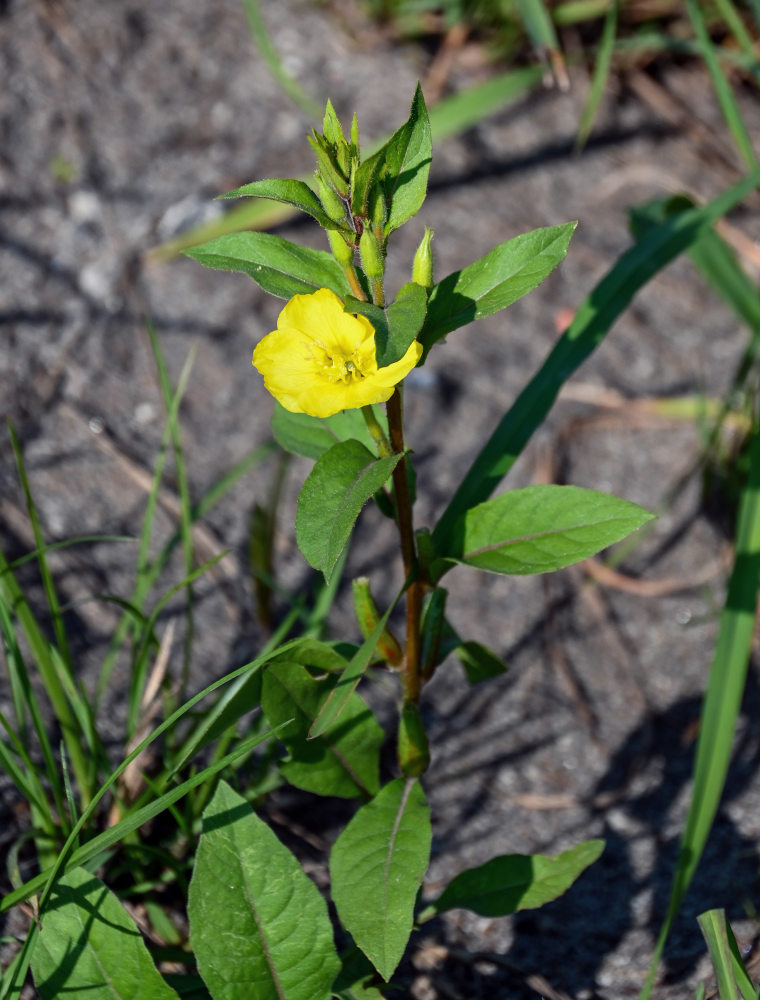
(290, 192)
(281, 268)
(377, 866)
(346, 760)
(543, 528)
(302, 434)
(407, 165)
(396, 326)
(515, 882)
(258, 925)
(493, 282)
(89, 946)
(337, 488)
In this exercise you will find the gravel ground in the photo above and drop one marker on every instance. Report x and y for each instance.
(119, 124)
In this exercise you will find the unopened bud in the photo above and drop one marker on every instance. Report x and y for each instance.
(377, 207)
(371, 254)
(413, 747)
(332, 203)
(422, 268)
(342, 252)
(368, 616)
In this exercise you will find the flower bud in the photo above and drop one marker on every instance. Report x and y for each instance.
(413, 748)
(371, 254)
(367, 616)
(332, 203)
(377, 207)
(342, 252)
(422, 268)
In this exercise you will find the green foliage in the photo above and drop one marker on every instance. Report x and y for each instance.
(281, 268)
(730, 972)
(381, 858)
(90, 947)
(290, 192)
(543, 528)
(515, 882)
(311, 437)
(341, 482)
(344, 761)
(494, 282)
(396, 326)
(249, 890)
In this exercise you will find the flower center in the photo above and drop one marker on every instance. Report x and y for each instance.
(339, 368)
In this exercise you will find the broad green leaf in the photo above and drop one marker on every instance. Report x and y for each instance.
(505, 274)
(346, 760)
(311, 437)
(592, 322)
(290, 192)
(397, 325)
(376, 868)
(89, 946)
(258, 925)
(407, 165)
(515, 882)
(281, 268)
(543, 528)
(338, 486)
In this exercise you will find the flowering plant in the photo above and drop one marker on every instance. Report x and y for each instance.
(339, 350)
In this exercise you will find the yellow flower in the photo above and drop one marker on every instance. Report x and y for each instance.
(321, 360)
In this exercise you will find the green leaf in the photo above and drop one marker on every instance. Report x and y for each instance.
(311, 437)
(505, 274)
(258, 925)
(281, 268)
(396, 326)
(376, 868)
(407, 165)
(592, 322)
(356, 977)
(338, 698)
(338, 486)
(479, 662)
(89, 946)
(290, 192)
(543, 528)
(726, 961)
(346, 760)
(513, 882)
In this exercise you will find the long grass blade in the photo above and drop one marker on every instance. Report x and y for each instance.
(592, 322)
(601, 72)
(723, 92)
(269, 53)
(39, 541)
(721, 704)
(185, 504)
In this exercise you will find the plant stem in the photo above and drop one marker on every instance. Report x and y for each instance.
(404, 517)
(378, 292)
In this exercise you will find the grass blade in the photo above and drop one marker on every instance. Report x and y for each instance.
(722, 88)
(270, 56)
(599, 79)
(724, 692)
(591, 324)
